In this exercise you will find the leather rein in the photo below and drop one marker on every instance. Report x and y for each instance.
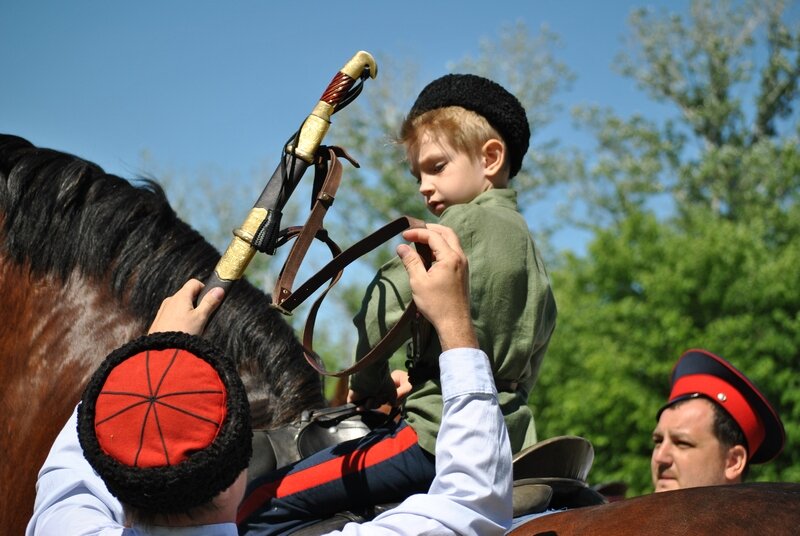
(328, 165)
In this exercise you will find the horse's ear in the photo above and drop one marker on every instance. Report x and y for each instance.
(735, 463)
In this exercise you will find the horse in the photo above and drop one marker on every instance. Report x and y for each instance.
(86, 258)
(767, 509)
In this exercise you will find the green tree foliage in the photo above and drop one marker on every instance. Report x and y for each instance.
(646, 292)
(695, 223)
(730, 72)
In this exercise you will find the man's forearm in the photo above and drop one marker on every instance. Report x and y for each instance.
(456, 332)
(471, 493)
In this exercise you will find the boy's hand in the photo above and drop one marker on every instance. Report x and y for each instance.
(402, 388)
(178, 313)
(401, 383)
(441, 293)
(379, 402)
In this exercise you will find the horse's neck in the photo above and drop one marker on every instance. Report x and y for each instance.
(52, 335)
(65, 324)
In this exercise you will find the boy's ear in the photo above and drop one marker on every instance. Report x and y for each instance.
(493, 155)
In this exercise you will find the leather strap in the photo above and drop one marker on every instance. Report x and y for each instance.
(331, 272)
(304, 235)
(286, 300)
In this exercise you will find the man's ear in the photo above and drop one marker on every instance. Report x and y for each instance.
(493, 155)
(735, 462)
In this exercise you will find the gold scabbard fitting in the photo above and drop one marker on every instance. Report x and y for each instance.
(240, 251)
(313, 131)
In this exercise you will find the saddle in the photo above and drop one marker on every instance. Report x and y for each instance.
(315, 431)
(550, 474)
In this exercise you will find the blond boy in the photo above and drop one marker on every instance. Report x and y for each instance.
(465, 138)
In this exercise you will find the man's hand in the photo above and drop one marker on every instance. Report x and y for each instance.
(178, 313)
(441, 293)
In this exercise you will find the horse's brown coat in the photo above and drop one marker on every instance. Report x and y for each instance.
(763, 509)
(51, 337)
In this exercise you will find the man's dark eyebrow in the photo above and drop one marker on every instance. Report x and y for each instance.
(682, 436)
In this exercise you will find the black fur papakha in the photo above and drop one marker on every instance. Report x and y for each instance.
(487, 98)
(204, 473)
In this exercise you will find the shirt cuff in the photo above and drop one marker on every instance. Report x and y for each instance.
(465, 371)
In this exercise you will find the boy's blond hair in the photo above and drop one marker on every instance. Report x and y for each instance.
(464, 130)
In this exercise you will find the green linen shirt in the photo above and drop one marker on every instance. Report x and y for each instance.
(512, 308)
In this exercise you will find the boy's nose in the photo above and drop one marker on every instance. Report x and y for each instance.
(425, 186)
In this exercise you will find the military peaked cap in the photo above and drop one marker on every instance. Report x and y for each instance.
(699, 373)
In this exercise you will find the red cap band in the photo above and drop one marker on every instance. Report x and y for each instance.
(729, 399)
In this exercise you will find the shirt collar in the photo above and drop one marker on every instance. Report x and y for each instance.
(505, 197)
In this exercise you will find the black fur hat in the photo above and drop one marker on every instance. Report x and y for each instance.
(487, 98)
(166, 423)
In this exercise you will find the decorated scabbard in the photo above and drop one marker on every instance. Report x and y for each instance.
(260, 228)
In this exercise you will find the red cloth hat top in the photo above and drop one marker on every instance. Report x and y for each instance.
(165, 422)
(159, 406)
(701, 373)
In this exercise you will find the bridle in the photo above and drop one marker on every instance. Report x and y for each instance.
(287, 300)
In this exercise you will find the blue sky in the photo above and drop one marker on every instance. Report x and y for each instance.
(204, 85)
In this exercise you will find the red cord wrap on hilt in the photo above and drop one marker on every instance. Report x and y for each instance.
(337, 89)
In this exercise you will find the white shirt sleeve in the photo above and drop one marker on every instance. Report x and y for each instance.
(70, 497)
(471, 493)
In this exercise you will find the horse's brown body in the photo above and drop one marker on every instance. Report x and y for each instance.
(761, 508)
(85, 260)
(51, 337)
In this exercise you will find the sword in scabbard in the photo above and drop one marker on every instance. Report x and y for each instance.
(260, 229)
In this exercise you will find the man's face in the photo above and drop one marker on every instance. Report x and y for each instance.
(686, 453)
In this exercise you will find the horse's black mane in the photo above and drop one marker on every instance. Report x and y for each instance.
(61, 213)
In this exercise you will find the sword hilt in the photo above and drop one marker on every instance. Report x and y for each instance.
(339, 93)
(335, 96)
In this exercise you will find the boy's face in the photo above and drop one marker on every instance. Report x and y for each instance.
(446, 176)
